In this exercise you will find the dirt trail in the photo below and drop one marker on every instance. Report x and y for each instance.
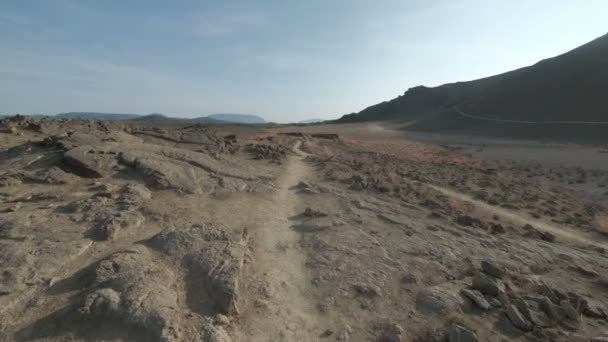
(485, 118)
(287, 309)
(517, 218)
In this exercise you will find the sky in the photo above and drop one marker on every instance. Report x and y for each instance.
(282, 59)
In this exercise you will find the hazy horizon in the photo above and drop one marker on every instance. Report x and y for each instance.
(285, 61)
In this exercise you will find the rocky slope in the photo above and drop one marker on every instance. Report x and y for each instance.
(563, 88)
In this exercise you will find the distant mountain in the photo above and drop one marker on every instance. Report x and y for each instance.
(537, 100)
(95, 116)
(309, 121)
(160, 119)
(32, 115)
(238, 118)
(157, 118)
(150, 117)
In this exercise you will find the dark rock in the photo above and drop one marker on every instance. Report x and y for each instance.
(317, 225)
(487, 284)
(327, 333)
(367, 290)
(458, 333)
(230, 139)
(570, 311)
(496, 228)
(534, 233)
(477, 298)
(492, 268)
(553, 311)
(430, 302)
(271, 151)
(546, 236)
(464, 220)
(553, 294)
(309, 212)
(303, 185)
(409, 279)
(518, 319)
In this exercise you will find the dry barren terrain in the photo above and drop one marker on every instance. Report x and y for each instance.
(115, 231)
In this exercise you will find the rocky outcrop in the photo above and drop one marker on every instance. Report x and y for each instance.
(108, 211)
(213, 257)
(133, 286)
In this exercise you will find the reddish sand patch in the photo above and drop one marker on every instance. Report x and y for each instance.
(416, 151)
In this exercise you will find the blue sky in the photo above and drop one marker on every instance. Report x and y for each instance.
(286, 60)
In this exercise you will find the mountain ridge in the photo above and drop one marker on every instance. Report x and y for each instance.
(156, 117)
(567, 87)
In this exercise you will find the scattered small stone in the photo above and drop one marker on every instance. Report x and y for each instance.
(570, 311)
(464, 220)
(344, 333)
(546, 236)
(429, 302)
(271, 151)
(459, 333)
(367, 290)
(409, 279)
(260, 303)
(391, 219)
(303, 185)
(477, 298)
(534, 233)
(555, 312)
(327, 333)
(391, 333)
(518, 319)
(309, 212)
(492, 268)
(230, 139)
(434, 215)
(494, 302)
(317, 225)
(496, 228)
(487, 284)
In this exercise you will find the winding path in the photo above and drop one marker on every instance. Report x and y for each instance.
(287, 311)
(484, 118)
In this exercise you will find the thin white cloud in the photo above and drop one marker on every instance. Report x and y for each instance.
(219, 23)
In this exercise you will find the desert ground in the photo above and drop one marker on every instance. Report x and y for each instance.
(117, 231)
